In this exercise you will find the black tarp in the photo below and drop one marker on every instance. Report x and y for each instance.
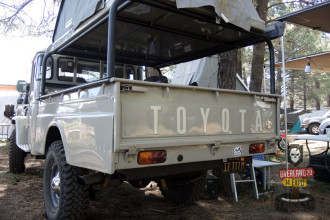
(72, 13)
(240, 13)
(148, 32)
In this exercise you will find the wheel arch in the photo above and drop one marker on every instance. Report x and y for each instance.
(314, 122)
(55, 133)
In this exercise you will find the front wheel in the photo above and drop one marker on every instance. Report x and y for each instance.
(16, 156)
(185, 190)
(64, 196)
(314, 129)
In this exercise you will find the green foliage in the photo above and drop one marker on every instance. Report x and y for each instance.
(299, 41)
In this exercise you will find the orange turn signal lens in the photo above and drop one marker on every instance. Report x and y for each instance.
(256, 148)
(151, 157)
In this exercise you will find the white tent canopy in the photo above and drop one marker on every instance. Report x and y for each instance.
(202, 72)
(237, 12)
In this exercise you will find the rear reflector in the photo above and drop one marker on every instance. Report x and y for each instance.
(151, 157)
(256, 148)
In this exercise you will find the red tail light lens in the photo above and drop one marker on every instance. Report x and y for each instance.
(256, 148)
(151, 157)
(283, 135)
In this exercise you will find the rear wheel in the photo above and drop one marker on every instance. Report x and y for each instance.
(64, 196)
(185, 190)
(16, 156)
(314, 128)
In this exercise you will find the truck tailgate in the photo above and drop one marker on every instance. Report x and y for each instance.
(159, 115)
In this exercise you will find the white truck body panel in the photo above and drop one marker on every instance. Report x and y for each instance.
(104, 126)
(22, 131)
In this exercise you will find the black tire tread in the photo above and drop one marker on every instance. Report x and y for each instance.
(16, 156)
(74, 196)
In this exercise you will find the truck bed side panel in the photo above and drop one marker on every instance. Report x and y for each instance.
(86, 120)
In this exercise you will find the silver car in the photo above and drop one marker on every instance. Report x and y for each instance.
(324, 126)
(312, 124)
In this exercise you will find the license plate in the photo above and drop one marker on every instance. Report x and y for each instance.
(234, 165)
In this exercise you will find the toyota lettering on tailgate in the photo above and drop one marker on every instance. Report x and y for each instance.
(171, 119)
(181, 119)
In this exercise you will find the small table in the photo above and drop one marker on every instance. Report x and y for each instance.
(255, 164)
(262, 164)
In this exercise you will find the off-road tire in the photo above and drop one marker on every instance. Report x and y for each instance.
(313, 128)
(73, 198)
(16, 156)
(307, 203)
(185, 190)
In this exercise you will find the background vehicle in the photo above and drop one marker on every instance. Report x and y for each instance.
(324, 125)
(98, 122)
(312, 124)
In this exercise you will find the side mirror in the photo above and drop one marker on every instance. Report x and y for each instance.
(20, 101)
(21, 86)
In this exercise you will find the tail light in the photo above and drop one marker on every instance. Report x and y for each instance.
(283, 135)
(151, 157)
(256, 148)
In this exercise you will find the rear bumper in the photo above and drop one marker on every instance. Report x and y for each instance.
(156, 172)
(193, 158)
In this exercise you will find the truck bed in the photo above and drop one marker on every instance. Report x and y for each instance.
(107, 123)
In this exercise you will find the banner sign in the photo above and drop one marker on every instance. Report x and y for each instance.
(295, 182)
(296, 173)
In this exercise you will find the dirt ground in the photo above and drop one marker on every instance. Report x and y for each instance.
(21, 198)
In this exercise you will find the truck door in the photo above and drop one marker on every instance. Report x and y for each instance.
(34, 102)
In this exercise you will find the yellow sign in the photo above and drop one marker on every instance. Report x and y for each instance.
(295, 182)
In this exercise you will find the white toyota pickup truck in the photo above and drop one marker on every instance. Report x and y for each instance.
(99, 116)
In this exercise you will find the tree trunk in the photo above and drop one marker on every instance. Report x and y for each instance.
(316, 94)
(305, 98)
(227, 69)
(229, 63)
(278, 85)
(328, 102)
(258, 52)
(257, 64)
(224, 184)
(292, 93)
